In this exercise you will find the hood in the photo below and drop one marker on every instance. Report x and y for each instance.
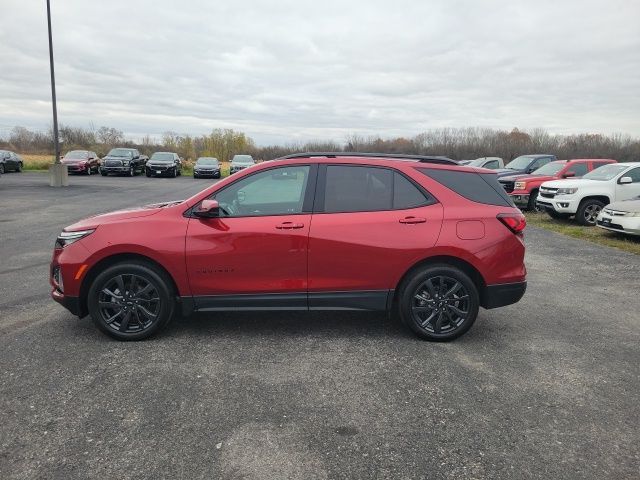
(567, 183)
(118, 215)
(525, 177)
(109, 157)
(503, 172)
(625, 206)
(160, 162)
(70, 161)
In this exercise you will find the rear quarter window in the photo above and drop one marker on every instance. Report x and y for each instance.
(477, 187)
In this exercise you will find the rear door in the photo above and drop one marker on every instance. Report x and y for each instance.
(255, 255)
(370, 224)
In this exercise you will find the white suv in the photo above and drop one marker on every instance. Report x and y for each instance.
(586, 196)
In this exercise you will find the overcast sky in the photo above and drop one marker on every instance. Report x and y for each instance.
(295, 70)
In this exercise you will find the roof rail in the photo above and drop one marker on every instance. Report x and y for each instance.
(397, 156)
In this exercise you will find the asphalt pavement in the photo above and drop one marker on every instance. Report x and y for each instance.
(546, 388)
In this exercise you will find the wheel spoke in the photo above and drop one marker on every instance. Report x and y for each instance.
(457, 311)
(144, 290)
(103, 304)
(133, 285)
(120, 282)
(150, 315)
(108, 292)
(124, 324)
(423, 323)
(113, 317)
(430, 287)
(453, 289)
(437, 324)
(422, 298)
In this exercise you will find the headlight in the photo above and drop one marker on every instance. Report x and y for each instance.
(632, 214)
(566, 191)
(67, 238)
(125, 163)
(520, 185)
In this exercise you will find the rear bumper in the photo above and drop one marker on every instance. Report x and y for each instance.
(495, 296)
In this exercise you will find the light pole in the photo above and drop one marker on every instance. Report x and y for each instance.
(58, 175)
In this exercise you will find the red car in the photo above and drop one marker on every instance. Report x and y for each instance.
(82, 161)
(421, 236)
(523, 189)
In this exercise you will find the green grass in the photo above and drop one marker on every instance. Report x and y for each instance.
(590, 234)
(37, 162)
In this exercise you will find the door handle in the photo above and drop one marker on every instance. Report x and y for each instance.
(289, 226)
(412, 220)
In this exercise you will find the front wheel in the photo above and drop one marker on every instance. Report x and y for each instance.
(588, 212)
(148, 172)
(532, 207)
(132, 171)
(439, 302)
(89, 170)
(1, 169)
(19, 167)
(131, 301)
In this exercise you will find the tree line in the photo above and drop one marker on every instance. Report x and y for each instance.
(456, 143)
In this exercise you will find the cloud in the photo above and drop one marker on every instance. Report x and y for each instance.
(319, 70)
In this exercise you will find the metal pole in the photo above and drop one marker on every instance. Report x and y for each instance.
(53, 89)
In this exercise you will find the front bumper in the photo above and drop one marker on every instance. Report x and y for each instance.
(520, 199)
(494, 296)
(76, 168)
(116, 169)
(561, 204)
(70, 303)
(207, 173)
(628, 225)
(159, 171)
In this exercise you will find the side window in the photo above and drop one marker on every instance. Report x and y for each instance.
(277, 191)
(479, 188)
(540, 162)
(493, 164)
(634, 174)
(358, 189)
(406, 194)
(579, 169)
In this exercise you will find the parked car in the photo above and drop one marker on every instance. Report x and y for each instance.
(525, 164)
(621, 217)
(206, 167)
(523, 189)
(586, 197)
(240, 162)
(10, 162)
(420, 236)
(166, 164)
(127, 161)
(492, 163)
(81, 161)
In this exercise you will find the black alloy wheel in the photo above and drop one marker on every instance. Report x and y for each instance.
(439, 303)
(131, 301)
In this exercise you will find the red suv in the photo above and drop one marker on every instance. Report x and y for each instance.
(422, 236)
(523, 189)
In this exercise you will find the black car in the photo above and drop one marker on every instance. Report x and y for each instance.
(525, 164)
(127, 161)
(206, 167)
(167, 164)
(240, 162)
(10, 162)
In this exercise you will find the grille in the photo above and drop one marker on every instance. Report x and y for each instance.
(548, 192)
(614, 213)
(508, 186)
(113, 163)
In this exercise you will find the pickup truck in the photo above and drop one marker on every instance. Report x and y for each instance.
(525, 164)
(523, 189)
(586, 197)
(127, 161)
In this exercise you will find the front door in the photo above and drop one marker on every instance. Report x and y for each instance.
(625, 191)
(255, 254)
(369, 226)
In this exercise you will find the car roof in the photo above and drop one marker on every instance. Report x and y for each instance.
(386, 156)
(172, 153)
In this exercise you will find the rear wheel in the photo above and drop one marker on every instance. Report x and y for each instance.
(131, 301)
(588, 212)
(439, 302)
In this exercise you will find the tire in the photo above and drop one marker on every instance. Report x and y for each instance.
(1, 169)
(531, 206)
(132, 171)
(217, 175)
(195, 176)
(127, 317)
(431, 297)
(148, 173)
(89, 170)
(588, 212)
(175, 172)
(19, 167)
(558, 216)
(103, 173)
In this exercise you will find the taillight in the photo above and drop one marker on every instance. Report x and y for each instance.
(513, 221)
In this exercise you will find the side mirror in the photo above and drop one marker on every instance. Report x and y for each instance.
(208, 209)
(624, 180)
(569, 175)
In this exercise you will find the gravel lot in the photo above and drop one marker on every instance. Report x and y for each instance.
(547, 388)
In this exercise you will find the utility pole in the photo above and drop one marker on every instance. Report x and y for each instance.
(58, 175)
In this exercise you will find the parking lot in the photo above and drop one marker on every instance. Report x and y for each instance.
(546, 388)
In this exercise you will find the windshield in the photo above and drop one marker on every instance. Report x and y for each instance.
(120, 152)
(550, 168)
(606, 172)
(521, 162)
(207, 161)
(75, 155)
(478, 162)
(162, 157)
(242, 159)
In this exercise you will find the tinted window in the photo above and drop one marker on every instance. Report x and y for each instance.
(539, 163)
(579, 169)
(493, 164)
(634, 174)
(277, 191)
(358, 189)
(406, 194)
(481, 188)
